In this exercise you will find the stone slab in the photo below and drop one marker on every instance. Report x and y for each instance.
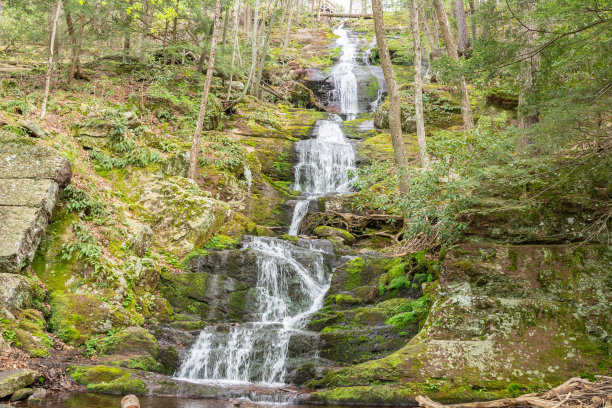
(34, 193)
(21, 229)
(22, 158)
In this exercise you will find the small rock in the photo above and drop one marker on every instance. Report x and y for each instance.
(22, 394)
(34, 130)
(13, 380)
(39, 393)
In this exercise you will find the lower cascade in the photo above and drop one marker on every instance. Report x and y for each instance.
(292, 281)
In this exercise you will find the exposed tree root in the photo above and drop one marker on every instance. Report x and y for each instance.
(574, 393)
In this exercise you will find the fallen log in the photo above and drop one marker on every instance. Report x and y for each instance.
(130, 401)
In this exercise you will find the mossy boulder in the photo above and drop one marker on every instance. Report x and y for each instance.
(75, 318)
(331, 232)
(14, 380)
(107, 379)
(133, 340)
(441, 109)
(16, 292)
(182, 216)
(500, 315)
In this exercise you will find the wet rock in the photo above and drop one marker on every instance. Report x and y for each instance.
(303, 374)
(16, 292)
(22, 394)
(329, 232)
(14, 380)
(31, 176)
(239, 264)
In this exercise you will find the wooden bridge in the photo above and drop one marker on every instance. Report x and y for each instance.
(326, 10)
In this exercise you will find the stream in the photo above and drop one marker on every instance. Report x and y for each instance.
(261, 356)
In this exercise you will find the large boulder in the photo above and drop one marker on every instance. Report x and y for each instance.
(16, 292)
(181, 216)
(31, 176)
(14, 380)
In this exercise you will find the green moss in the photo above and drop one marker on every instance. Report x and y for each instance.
(237, 305)
(290, 238)
(354, 270)
(106, 379)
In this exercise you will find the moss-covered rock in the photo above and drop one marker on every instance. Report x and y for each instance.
(329, 232)
(107, 379)
(75, 318)
(133, 340)
(538, 309)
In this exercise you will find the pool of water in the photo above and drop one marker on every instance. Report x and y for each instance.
(92, 400)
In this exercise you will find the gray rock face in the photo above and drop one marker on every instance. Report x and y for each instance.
(15, 292)
(31, 177)
(13, 380)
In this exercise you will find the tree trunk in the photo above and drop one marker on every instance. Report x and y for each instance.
(395, 120)
(472, 22)
(226, 22)
(58, 9)
(435, 28)
(288, 32)
(195, 145)
(466, 109)
(350, 6)
(464, 41)
(234, 48)
(418, 83)
(528, 69)
(264, 50)
(127, 35)
(430, 39)
(253, 47)
(174, 33)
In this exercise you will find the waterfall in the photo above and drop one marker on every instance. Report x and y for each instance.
(288, 290)
(299, 212)
(345, 82)
(292, 278)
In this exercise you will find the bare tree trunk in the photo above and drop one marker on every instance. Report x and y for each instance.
(288, 32)
(253, 47)
(418, 83)
(464, 41)
(350, 6)
(174, 33)
(529, 67)
(435, 28)
(225, 23)
(58, 9)
(127, 35)
(234, 48)
(472, 22)
(395, 120)
(195, 145)
(430, 39)
(264, 50)
(466, 109)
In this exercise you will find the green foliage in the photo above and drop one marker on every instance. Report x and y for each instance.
(222, 152)
(80, 201)
(410, 314)
(9, 335)
(440, 192)
(88, 249)
(220, 241)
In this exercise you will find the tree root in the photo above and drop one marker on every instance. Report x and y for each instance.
(574, 393)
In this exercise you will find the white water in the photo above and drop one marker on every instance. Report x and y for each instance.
(345, 82)
(292, 279)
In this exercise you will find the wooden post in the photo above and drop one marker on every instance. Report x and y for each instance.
(130, 401)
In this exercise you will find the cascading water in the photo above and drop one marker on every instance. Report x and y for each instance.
(292, 278)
